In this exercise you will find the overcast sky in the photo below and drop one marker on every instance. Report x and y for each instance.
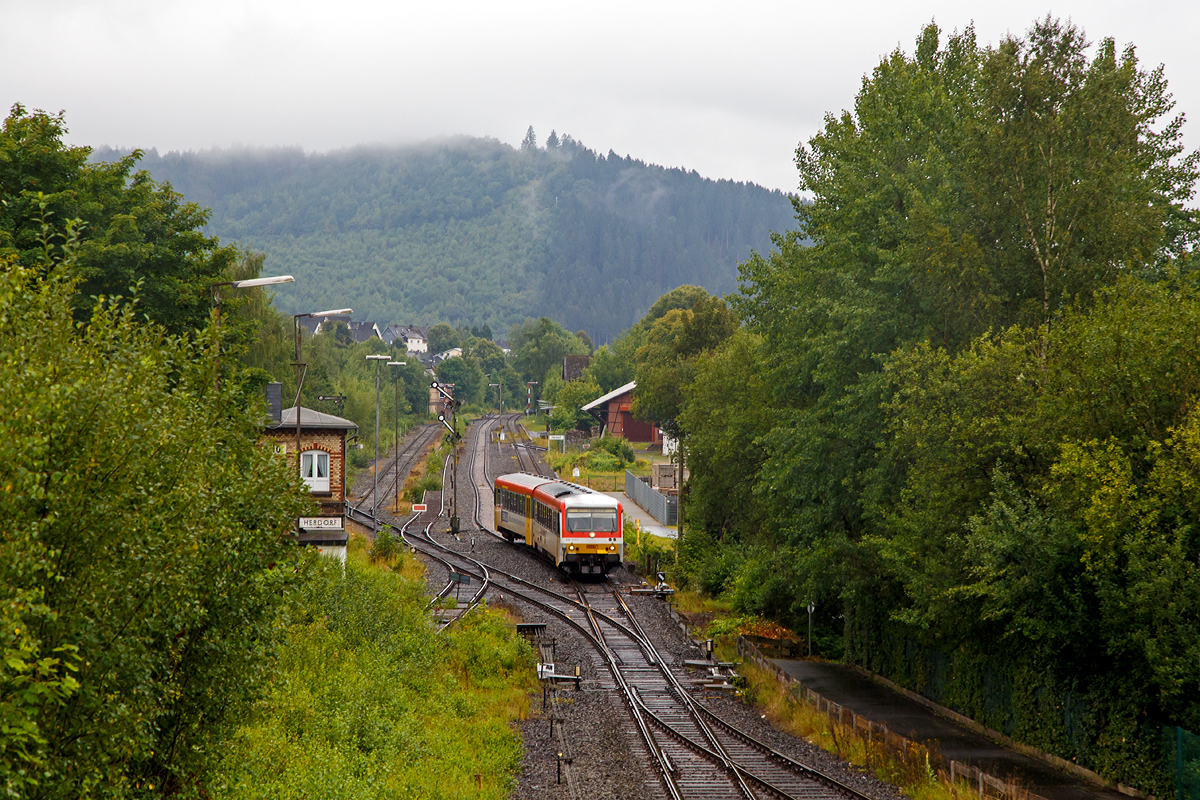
(728, 89)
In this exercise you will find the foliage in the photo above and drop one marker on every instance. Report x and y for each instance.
(569, 402)
(143, 556)
(651, 553)
(442, 338)
(474, 232)
(959, 418)
(675, 344)
(364, 684)
(539, 348)
(470, 384)
(130, 230)
(385, 547)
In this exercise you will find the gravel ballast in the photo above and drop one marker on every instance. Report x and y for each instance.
(600, 755)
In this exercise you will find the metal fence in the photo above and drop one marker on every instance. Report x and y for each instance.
(1182, 751)
(662, 508)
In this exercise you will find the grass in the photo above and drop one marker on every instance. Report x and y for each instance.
(911, 770)
(366, 701)
(689, 601)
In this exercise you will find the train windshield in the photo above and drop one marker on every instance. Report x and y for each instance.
(601, 520)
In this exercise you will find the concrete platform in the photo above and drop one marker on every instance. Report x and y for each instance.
(649, 524)
(849, 688)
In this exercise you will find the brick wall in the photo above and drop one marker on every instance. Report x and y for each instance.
(332, 442)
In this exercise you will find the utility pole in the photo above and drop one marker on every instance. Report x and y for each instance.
(396, 433)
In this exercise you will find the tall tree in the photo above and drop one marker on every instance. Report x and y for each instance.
(529, 143)
(131, 229)
(142, 559)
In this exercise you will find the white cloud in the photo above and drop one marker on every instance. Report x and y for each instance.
(727, 90)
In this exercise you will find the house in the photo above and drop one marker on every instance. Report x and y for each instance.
(361, 331)
(320, 441)
(614, 413)
(438, 404)
(414, 338)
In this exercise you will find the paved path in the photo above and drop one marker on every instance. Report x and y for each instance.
(634, 511)
(850, 688)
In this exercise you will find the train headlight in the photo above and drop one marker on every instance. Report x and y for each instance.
(571, 549)
(592, 534)
(612, 548)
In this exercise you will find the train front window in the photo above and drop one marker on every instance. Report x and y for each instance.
(601, 520)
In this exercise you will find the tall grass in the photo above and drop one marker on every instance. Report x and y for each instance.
(368, 702)
(912, 770)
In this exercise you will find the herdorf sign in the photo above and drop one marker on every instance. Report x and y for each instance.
(321, 523)
(419, 508)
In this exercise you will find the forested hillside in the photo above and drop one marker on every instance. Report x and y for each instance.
(472, 231)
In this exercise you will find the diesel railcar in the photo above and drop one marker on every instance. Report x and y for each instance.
(579, 529)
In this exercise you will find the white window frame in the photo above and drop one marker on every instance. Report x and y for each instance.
(310, 459)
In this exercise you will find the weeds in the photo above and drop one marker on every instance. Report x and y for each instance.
(911, 768)
(367, 702)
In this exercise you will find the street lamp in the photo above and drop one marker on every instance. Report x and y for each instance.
(337, 312)
(396, 464)
(375, 499)
(215, 290)
(498, 395)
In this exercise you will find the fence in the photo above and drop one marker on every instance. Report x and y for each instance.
(662, 508)
(1182, 751)
(984, 784)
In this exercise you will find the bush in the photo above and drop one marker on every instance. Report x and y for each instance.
(385, 547)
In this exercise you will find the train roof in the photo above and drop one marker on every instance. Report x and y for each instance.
(524, 480)
(560, 491)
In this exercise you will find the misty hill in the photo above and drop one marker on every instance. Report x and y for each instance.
(473, 231)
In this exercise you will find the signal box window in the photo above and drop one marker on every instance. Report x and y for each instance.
(314, 468)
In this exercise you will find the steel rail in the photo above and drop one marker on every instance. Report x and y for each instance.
(703, 719)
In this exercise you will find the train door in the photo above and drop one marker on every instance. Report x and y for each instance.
(528, 520)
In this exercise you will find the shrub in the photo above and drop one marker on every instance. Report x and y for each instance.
(385, 547)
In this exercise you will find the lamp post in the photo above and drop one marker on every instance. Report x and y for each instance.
(300, 371)
(375, 498)
(215, 290)
(490, 385)
(396, 463)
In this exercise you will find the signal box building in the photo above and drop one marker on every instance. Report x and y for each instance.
(322, 452)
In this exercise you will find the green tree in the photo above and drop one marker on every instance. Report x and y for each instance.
(132, 230)
(529, 143)
(571, 398)
(470, 383)
(144, 554)
(668, 360)
(540, 346)
(442, 338)
(491, 357)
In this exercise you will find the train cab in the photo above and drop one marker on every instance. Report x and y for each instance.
(579, 529)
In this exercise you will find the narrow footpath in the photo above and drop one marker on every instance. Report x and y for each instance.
(849, 688)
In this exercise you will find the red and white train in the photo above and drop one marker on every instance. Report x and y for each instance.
(581, 530)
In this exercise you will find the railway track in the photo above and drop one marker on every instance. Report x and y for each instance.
(694, 754)
(527, 454)
(396, 468)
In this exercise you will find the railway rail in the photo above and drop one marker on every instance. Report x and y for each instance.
(396, 468)
(694, 754)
